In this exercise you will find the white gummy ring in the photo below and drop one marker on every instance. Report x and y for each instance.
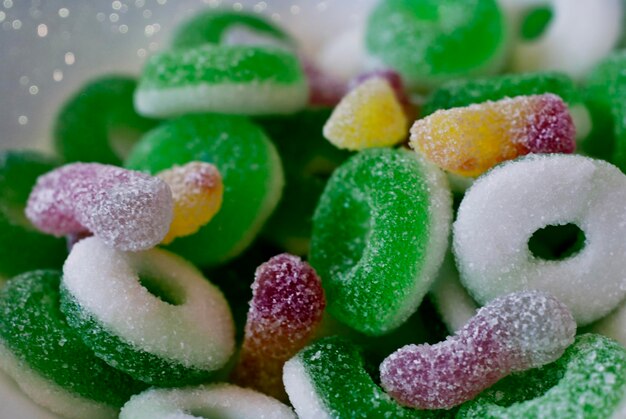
(503, 209)
(580, 34)
(197, 333)
(224, 401)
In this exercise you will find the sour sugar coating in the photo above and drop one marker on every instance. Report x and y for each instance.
(225, 401)
(370, 115)
(128, 210)
(250, 167)
(286, 308)
(469, 141)
(613, 325)
(23, 247)
(226, 27)
(150, 314)
(99, 123)
(572, 38)
(588, 381)
(513, 333)
(197, 191)
(395, 81)
(431, 41)
(530, 194)
(329, 379)
(47, 358)
(380, 232)
(230, 79)
(465, 92)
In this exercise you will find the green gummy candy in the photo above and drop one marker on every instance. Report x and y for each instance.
(380, 232)
(99, 123)
(430, 41)
(335, 371)
(308, 159)
(210, 26)
(251, 171)
(588, 381)
(24, 248)
(33, 328)
(460, 93)
(604, 89)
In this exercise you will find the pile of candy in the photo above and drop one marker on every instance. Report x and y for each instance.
(463, 261)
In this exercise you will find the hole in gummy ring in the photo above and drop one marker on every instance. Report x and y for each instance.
(535, 22)
(557, 242)
(162, 289)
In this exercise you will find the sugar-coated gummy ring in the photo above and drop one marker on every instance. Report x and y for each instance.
(99, 123)
(328, 379)
(48, 359)
(23, 248)
(380, 232)
(502, 210)
(225, 401)
(563, 45)
(226, 27)
(233, 79)
(588, 381)
(250, 167)
(430, 41)
(181, 336)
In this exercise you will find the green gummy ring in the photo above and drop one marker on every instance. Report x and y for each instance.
(215, 26)
(380, 232)
(207, 401)
(181, 332)
(99, 123)
(328, 379)
(308, 159)
(48, 359)
(588, 381)
(23, 247)
(430, 41)
(230, 79)
(250, 167)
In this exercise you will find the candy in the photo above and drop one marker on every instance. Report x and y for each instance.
(526, 195)
(380, 232)
(308, 160)
(23, 248)
(468, 141)
(150, 314)
(217, 400)
(460, 93)
(235, 79)
(127, 210)
(98, 123)
(368, 116)
(574, 38)
(250, 167)
(588, 381)
(286, 308)
(328, 379)
(47, 358)
(613, 325)
(197, 191)
(223, 27)
(513, 333)
(604, 86)
(397, 84)
(431, 41)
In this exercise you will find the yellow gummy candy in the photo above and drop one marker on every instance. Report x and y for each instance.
(368, 116)
(197, 191)
(470, 140)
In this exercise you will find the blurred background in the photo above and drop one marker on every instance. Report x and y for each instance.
(48, 48)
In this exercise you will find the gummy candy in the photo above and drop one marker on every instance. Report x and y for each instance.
(516, 332)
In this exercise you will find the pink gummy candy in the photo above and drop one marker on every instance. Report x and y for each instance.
(128, 210)
(286, 308)
(516, 332)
